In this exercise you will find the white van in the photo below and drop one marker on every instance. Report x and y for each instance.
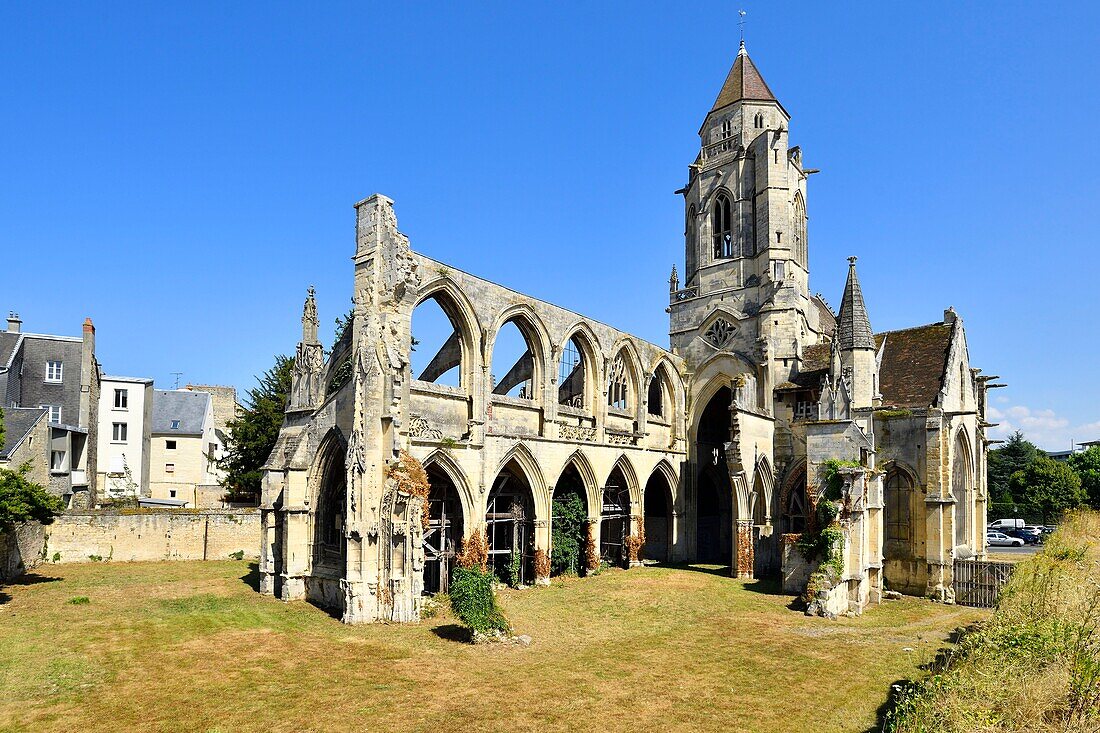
(1008, 524)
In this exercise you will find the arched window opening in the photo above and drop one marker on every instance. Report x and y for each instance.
(436, 344)
(758, 120)
(512, 350)
(727, 128)
(569, 524)
(509, 525)
(328, 528)
(691, 236)
(961, 488)
(443, 537)
(572, 375)
(614, 518)
(899, 493)
(659, 399)
(722, 226)
(658, 518)
(795, 509)
(800, 230)
(618, 385)
(760, 508)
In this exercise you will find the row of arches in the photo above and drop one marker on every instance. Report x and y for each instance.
(523, 362)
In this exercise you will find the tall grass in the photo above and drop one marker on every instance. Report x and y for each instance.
(1035, 665)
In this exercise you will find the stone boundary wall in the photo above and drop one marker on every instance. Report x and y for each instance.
(20, 550)
(152, 535)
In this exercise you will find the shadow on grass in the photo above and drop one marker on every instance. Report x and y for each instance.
(721, 570)
(454, 632)
(252, 577)
(25, 579)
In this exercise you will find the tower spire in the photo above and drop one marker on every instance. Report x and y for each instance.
(853, 325)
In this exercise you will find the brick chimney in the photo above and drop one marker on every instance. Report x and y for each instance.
(14, 324)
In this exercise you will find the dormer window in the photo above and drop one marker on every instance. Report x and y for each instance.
(175, 424)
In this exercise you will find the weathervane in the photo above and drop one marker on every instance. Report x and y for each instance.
(742, 24)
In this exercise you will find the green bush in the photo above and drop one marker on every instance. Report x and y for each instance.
(569, 528)
(79, 601)
(474, 602)
(22, 500)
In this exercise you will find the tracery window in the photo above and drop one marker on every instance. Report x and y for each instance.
(727, 128)
(618, 390)
(800, 230)
(722, 225)
(719, 332)
(571, 375)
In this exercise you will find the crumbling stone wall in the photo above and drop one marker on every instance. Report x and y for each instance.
(20, 550)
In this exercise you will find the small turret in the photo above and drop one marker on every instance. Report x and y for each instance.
(855, 342)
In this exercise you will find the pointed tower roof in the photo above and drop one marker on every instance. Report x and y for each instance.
(853, 327)
(743, 82)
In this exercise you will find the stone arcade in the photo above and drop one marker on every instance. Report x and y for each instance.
(710, 451)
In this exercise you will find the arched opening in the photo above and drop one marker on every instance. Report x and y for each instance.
(443, 537)
(898, 491)
(960, 488)
(614, 518)
(659, 400)
(690, 230)
(509, 525)
(795, 509)
(657, 513)
(329, 547)
(513, 350)
(760, 508)
(569, 523)
(573, 375)
(437, 349)
(722, 226)
(620, 387)
(714, 499)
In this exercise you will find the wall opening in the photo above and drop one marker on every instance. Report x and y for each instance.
(509, 524)
(569, 524)
(512, 351)
(614, 518)
(437, 351)
(658, 518)
(443, 538)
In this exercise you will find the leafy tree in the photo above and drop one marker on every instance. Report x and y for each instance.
(569, 530)
(252, 434)
(1050, 486)
(1015, 455)
(341, 375)
(1087, 467)
(22, 500)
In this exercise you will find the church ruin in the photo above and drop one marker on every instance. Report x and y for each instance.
(717, 449)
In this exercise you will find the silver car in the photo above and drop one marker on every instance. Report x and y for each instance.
(1000, 539)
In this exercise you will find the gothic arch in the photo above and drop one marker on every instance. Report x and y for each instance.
(529, 465)
(623, 464)
(532, 329)
(446, 463)
(662, 365)
(328, 499)
(658, 513)
(899, 518)
(764, 485)
(590, 352)
(801, 246)
(792, 496)
(591, 485)
(454, 303)
(633, 366)
(962, 488)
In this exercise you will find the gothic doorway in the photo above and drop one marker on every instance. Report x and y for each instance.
(713, 494)
(510, 524)
(658, 518)
(569, 524)
(443, 536)
(614, 518)
(329, 547)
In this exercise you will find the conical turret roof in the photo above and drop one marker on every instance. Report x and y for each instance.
(743, 82)
(853, 327)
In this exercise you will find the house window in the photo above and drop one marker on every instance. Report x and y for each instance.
(171, 493)
(118, 432)
(175, 424)
(55, 413)
(57, 460)
(169, 468)
(54, 370)
(169, 445)
(122, 398)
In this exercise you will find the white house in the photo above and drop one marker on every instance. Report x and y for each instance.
(125, 423)
(185, 449)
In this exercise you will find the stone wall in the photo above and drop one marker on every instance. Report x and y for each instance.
(20, 550)
(153, 535)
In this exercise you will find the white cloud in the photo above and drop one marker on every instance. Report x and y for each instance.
(1044, 428)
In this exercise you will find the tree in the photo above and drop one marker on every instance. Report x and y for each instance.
(1048, 485)
(252, 434)
(1015, 455)
(1087, 467)
(22, 500)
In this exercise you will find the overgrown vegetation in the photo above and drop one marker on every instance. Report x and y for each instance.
(22, 500)
(1035, 666)
(568, 532)
(252, 434)
(474, 602)
(1024, 482)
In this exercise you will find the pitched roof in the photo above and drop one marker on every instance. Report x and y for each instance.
(853, 325)
(18, 422)
(914, 364)
(826, 319)
(814, 367)
(743, 82)
(188, 408)
(8, 342)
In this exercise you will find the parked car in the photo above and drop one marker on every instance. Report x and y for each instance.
(1000, 539)
(1048, 530)
(1002, 524)
(1029, 536)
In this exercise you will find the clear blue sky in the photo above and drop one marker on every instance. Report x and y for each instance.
(181, 175)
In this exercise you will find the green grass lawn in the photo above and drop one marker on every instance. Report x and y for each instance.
(191, 646)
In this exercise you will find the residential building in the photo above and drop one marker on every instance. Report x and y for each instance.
(27, 441)
(184, 449)
(125, 429)
(58, 374)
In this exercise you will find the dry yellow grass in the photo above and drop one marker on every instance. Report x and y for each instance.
(191, 646)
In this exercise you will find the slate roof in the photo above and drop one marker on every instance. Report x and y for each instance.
(743, 82)
(853, 330)
(815, 366)
(18, 422)
(8, 342)
(914, 364)
(187, 407)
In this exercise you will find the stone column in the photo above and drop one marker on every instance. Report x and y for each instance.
(637, 525)
(542, 552)
(592, 546)
(743, 558)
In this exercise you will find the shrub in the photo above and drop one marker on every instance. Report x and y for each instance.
(79, 601)
(238, 555)
(474, 602)
(567, 533)
(22, 500)
(475, 551)
(515, 568)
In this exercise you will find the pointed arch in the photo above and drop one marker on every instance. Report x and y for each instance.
(467, 333)
(328, 496)
(721, 226)
(578, 376)
(529, 466)
(664, 374)
(533, 331)
(801, 246)
(624, 378)
(446, 463)
(962, 486)
(764, 486)
(624, 464)
(898, 495)
(588, 475)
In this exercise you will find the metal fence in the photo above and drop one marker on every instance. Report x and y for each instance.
(979, 582)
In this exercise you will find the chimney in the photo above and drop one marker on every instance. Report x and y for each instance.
(950, 315)
(14, 324)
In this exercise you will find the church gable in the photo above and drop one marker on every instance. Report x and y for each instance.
(913, 364)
